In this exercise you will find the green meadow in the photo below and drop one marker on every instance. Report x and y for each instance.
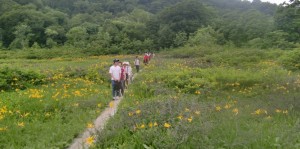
(226, 74)
(211, 98)
(189, 97)
(46, 103)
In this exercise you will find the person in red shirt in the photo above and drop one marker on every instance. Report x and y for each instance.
(146, 59)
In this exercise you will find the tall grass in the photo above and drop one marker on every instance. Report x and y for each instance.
(51, 114)
(230, 103)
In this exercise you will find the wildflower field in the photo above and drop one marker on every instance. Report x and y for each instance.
(211, 98)
(47, 103)
(214, 97)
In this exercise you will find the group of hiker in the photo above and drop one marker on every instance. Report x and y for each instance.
(121, 74)
(147, 57)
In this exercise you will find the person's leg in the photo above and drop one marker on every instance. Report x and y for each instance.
(126, 81)
(113, 85)
(119, 88)
(122, 87)
(130, 79)
(137, 68)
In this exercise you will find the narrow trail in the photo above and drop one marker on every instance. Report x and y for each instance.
(99, 124)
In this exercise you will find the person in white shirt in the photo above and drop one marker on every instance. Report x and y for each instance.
(128, 73)
(126, 70)
(137, 63)
(115, 73)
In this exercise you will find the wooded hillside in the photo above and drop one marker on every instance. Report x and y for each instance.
(128, 26)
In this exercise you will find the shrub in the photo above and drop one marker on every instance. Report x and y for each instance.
(11, 79)
(291, 60)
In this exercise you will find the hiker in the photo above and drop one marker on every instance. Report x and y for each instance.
(149, 56)
(115, 74)
(146, 59)
(137, 63)
(128, 74)
(123, 78)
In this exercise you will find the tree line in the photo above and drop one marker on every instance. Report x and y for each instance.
(130, 26)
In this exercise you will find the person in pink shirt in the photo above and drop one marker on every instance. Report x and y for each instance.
(123, 78)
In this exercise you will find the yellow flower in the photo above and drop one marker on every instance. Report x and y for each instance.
(180, 117)
(235, 111)
(75, 104)
(218, 108)
(187, 110)
(227, 106)
(48, 114)
(197, 112)
(130, 113)
(3, 110)
(90, 125)
(3, 129)
(142, 126)
(155, 124)
(138, 111)
(111, 104)
(21, 124)
(190, 119)
(150, 124)
(285, 112)
(258, 112)
(167, 125)
(197, 92)
(77, 93)
(268, 117)
(90, 140)
(25, 114)
(99, 105)
(278, 111)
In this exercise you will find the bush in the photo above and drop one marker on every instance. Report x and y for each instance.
(192, 52)
(11, 79)
(206, 36)
(276, 39)
(291, 60)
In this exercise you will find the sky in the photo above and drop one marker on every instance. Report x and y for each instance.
(274, 1)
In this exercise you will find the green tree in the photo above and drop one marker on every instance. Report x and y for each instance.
(180, 39)
(186, 16)
(204, 36)
(77, 37)
(288, 19)
(23, 34)
(240, 27)
(50, 33)
(275, 39)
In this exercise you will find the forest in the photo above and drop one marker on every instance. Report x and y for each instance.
(134, 26)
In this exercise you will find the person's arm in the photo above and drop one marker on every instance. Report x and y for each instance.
(112, 76)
